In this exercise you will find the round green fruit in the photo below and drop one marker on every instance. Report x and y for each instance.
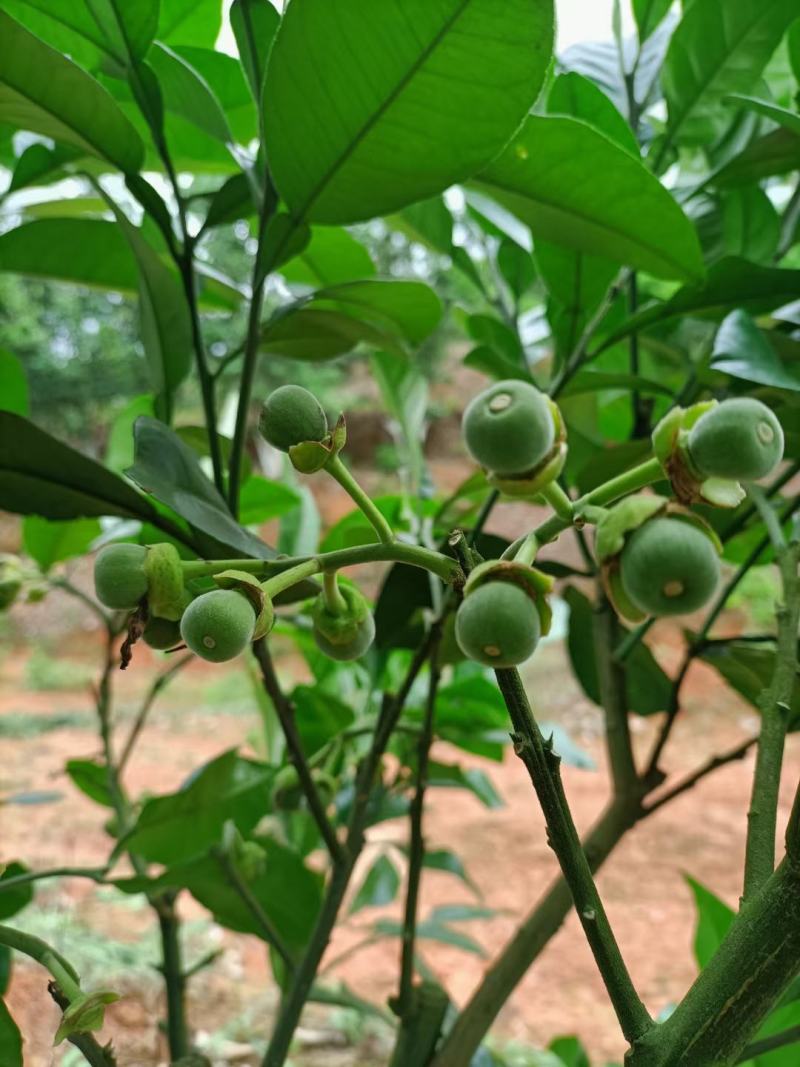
(219, 625)
(498, 625)
(162, 634)
(669, 567)
(290, 416)
(345, 634)
(119, 578)
(509, 428)
(739, 439)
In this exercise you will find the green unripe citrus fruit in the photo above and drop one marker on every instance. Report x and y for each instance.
(345, 634)
(119, 578)
(290, 416)
(219, 625)
(509, 428)
(669, 567)
(162, 634)
(498, 625)
(739, 439)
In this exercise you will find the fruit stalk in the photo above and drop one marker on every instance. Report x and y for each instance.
(342, 475)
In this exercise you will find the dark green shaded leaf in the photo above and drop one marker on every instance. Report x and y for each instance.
(41, 476)
(181, 825)
(40, 165)
(776, 153)
(317, 335)
(575, 187)
(430, 930)
(379, 887)
(15, 899)
(340, 150)
(169, 470)
(44, 92)
(320, 717)
(780, 115)
(714, 918)
(648, 14)
(648, 687)
(10, 1039)
(128, 28)
(751, 227)
(233, 200)
(429, 223)
(13, 385)
(187, 94)
(574, 95)
(262, 500)
(749, 668)
(410, 310)
(743, 351)
(332, 256)
(516, 267)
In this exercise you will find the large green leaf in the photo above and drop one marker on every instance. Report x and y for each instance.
(187, 823)
(190, 22)
(743, 351)
(41, 476)
(332, 256)
(42, 91)
(718, 48)
(187, 94)
(65, 26)
(775, 153)
(94, 253)
(574, 95)
(379, 887)
(167, 468)
(781, 115)
(575, 187)
(714, 919)
(751, 227)
(224, 76)
(731, 283)
(128, 28)
(13, 385)
(433, 92)
(10, 1039)
(254, 24)
(317, 335)
(409, 309)
(166, 326)
(648, 14)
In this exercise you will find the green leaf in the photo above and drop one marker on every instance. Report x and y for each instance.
(452, 776)
(341, 150)
(170, 471)
(42, 91)
(181, 825)
(10, 1039)
(572, 94)
(379, 887)
(40, 165)
(793, 38)
(65, 26)
(411, 310)
(731, 283)
(781, 115)
(320, 717)
(428, 222)
(516, 267)
(749, 668)
(190, 22)
(744, 351)
(751, 227)
(262, 500)
(92, 780)
(430, 930)
(575, 187)
(444, 860)
(51, 542)
(90, 252)
(233, 200)
(128, 28)
(187, 94)
(332, 256)
(775, 153)
(592, 381)
(13, 384)
(16, 899)
(648, 14)
(648, 686)
(164, 315)
(254, 24)
(316, 335)
(714, 918)
(717, 49)
(41, 476)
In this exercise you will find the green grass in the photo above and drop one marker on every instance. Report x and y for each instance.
(22, 725)
(46, 673)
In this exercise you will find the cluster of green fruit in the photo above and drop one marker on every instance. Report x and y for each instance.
(656, 556)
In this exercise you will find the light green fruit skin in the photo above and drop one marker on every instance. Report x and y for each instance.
(162, 634)
(354, 647)
(290, 416)
(219, 625)
(509, 428)
(498, 625)
(669, 567)
(119, 578)
(739, 439)
(346, 635)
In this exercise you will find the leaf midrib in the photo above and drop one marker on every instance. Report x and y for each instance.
(378, 114)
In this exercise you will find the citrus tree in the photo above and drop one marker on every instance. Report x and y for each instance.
(618, 243)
